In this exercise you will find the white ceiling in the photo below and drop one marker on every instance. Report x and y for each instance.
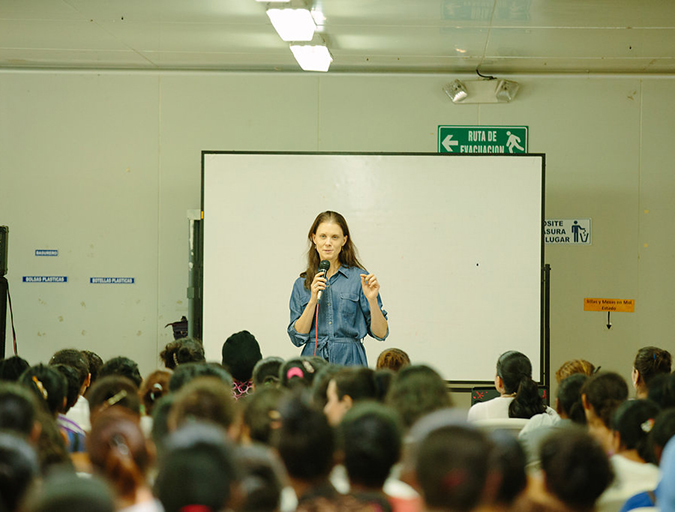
(415, 36)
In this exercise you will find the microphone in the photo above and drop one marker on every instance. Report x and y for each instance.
(324, 266)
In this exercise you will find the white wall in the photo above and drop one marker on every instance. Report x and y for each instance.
(103, 167)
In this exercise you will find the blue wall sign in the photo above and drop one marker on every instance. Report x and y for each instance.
(112, 280)
(46, 252)
(45, 279)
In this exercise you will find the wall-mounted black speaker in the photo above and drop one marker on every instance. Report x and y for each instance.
(4, 241)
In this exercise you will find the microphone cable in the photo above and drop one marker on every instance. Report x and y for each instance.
(316, 328)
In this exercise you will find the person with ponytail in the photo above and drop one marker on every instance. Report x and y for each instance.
(119, 453)
(632, 458)
(342, 300)
(601, 395)
(649, 362)
(518, 393)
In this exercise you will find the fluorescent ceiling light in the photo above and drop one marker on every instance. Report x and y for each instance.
(293, 24)
(312, 57)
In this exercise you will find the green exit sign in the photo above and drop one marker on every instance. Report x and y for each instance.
(482, 139)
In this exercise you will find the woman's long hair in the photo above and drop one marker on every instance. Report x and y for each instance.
(348, 256)
(515, 370)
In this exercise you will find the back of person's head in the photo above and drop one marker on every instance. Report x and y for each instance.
(261, 475)
(113, 391)
(17, 408)
(123, 367)
(515, 370)
(197, 469)
(574, 366)
(569, 397)
(662, 432)
(12, 368)
(183, 350)
(73, 385)
(266, 372)
(370, 436)
(261, 413)
(393, 359)
(632, 421)
(154, 387)
(305, 441)
(95, 362)
(357, 382)
(417, 390)
(651, 361)
(508, 460)
(205, 399)
(48, 385)
(662, 390)
(18, 468)
(452, 468)
(160, 422)
(65, 491)
(241, 352)
(298, 372)
(576, 469)
(320, 384)
(74, 358)
(604, 392)
(383, 379)
(186, 372)
(118, 451)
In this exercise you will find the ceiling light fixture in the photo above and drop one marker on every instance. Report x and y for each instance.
(312, 56)
(292, 24)
(481, 91)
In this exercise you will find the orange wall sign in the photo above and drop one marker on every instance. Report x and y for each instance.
(618, 305)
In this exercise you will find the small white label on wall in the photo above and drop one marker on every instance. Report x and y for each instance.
(46, 252)
(567, 231)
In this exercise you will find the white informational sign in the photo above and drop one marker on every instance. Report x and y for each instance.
(567, 231)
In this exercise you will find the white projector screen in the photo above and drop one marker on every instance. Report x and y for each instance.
(456, 242)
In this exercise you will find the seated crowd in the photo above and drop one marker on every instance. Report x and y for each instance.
(256, 434)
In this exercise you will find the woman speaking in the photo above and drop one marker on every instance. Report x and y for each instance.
(336, 294)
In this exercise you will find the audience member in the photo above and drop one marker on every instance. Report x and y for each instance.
(241, 352)
(261, 418)
(114, 391)
(75, 433)
(262, 479)
(416, 391)
(123, 367)
(186, 372)
(18, 468)
(649, 362)
(266, 372)
(320, 382)
(601, 395)
(64, 491)
(508, 461)
(518, 393)
(299, 372)
(12, 368)
(392, 359)
(183, 350)
(95, 362)
(349, 386)
(154, 387)
(78, 412)
(573, 367)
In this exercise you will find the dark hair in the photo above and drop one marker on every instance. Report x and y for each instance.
(370, 436)
(65, 491)
(573, 367)
(94, 361)
(18, 467)
(47, 384)
(74, 358)
(12, 368)
(122, 366)
(73, 385)
(651, 361)
(154, 387)
(184, 373)
(515, 370)
(205, 399)
(198, 468)
(662, 390)
(569, 397)
(17, 408)
(320, 384)
(261, 476)
(392, 359)
(305, 441)
(357, 382)
(261, 413)
(452, 467)
(633, 420)
(508, 459)
(111, 391)
(604, 392)
(417, 390)
(348, 256)
(299, 371)
(160, 421)
(117, 450)
(266, 372)
(183, 350)
(241, 352)
(576, 469)
(662, 432)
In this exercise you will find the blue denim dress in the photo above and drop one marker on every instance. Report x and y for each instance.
(344, 318)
